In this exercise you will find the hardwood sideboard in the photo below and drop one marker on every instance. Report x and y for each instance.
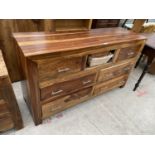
(56, 72)
(10, 116)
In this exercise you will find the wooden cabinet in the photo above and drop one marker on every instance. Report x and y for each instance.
(72, 24)
(10, 116)
(104, 23)
(56, 71)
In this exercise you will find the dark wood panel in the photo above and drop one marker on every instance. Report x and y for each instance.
(104, 23)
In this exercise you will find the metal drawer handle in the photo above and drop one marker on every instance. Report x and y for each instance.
(106, 87)
(130, 53)
(122, 82)
(63, 70)
(56, 92)
(86, 82)
(127, 68)
(110, 74)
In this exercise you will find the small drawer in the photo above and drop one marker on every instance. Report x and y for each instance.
(127, 53)
(106, 86)
(60, 104)
(53, 68)
(114, 71)
(66, 87)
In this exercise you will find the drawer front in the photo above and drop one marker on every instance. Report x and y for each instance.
(54, 68)
(114, 71)
(106, 86)
(66, 87)
(128, 52)
(60, 104)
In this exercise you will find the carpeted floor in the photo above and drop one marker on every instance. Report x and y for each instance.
(120, 111)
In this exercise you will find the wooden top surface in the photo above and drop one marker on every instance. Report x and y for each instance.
(3, 69)
(150, 39)
(38, 43)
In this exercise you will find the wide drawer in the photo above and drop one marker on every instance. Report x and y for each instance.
(128, 52)
(114, 71)
(106, 86)
(54, 68)
(66, 87)
(60, 104)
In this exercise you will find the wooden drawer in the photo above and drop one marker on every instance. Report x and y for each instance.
(66, 87)
(128, 52)
(54, 68)
(106, 86)
(114, 71)
(60, 104)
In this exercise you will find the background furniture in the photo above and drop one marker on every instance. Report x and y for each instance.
(56, 71)
(104, 23)
(149, 51)
(8, 26)
(10, 116)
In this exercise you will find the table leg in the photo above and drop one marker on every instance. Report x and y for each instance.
(137, 63)
(143, 73)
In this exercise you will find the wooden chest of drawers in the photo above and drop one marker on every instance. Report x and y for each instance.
(56, 72)
(10, 116)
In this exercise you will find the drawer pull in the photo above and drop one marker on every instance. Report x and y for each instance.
(63, 70)
(122, 82)
(86, 82)
(56, 92)
(56, 108)
(109, 75)
(127, 69)
(130, 53)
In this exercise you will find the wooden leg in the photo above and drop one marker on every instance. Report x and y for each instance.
(143, 73)
(138, 61)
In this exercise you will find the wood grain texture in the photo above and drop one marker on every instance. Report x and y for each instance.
(54, 68)
(8, 26)
(45, 43)
(65, 102)
(9, 111)
(66, 87)
(43, 54)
